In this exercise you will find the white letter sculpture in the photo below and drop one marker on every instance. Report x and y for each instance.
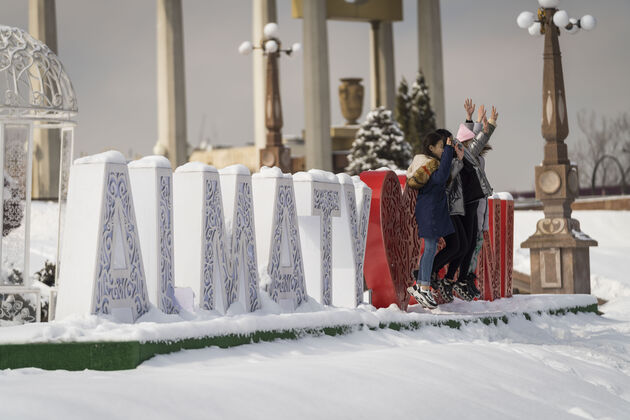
(102, 270)
(217, 262)
(278, 237)
(238, 210)
(349, 241)
(197, 226)
(152, 188)
(318, 200)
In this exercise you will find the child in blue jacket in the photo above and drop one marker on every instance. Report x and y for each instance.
(429, 173)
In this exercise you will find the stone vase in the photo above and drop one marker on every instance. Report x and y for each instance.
(351, 99)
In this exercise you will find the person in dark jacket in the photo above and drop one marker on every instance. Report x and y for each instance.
(454, 242)
(429, 173)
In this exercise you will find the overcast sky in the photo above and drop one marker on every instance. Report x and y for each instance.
(109, 50)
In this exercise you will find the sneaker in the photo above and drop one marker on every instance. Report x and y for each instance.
(461, 288)
(423, 297)
(443, 288)
(472, 288)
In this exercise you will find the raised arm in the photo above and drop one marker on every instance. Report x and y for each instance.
(478, 125)
(469, 107)
(481, 139)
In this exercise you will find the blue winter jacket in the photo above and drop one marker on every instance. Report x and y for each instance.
(432, 212)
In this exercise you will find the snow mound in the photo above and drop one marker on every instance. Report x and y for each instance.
(153, 161)
(196, 167)
(111, 156)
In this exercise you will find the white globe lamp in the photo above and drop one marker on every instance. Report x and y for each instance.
(534, 29)
(561, 18)
(271, 30)
(245, 48)
(525, 20)
(588, 22)
(549, 4)
(271, 46)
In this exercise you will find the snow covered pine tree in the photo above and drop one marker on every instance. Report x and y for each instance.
(379, 143)
(403, 110)
(414, 112)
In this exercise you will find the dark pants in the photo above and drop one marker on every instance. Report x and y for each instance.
(454, 242)
(467, 245)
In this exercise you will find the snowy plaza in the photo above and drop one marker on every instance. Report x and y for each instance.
(315, 209)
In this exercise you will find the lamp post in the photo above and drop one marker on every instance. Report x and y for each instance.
(559, 251)
(274, 153)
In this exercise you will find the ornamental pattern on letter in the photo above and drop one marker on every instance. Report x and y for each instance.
(354, 235)
(358, 233)
(495, 283)
(400, 235)
(119, 284)
(213, 231)
(243, 246)
(166, 301)
(286, 282)
(509, 247)
(363, 228)
(325, 202)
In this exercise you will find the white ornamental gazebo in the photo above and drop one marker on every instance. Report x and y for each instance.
(35, 92)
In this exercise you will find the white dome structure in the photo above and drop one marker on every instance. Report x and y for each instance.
(33, 83)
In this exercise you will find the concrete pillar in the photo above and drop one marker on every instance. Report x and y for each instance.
(382, 74)
(264, 11)
(316, 87)
(430, 54)
(171, 84)
(42, 24)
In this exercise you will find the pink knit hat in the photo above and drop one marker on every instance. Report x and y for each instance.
(464, 133)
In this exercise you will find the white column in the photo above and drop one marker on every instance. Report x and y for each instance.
(172, 140)
(316, 87)
(430, 54)
(42, 24)
(264, 11)
(375, 92)
(387, 83)
(382, 74)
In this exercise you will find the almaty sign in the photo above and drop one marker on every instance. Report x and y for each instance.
(136, 234)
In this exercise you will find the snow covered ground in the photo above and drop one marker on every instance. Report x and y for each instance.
(562, 367)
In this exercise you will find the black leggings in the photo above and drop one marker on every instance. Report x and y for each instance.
(464, 266)
(467, 244)
(454, 242)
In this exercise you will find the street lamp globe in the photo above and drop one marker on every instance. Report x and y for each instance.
(561, 18)
(588, 22)
(271, 46)
(534, 29)
(245, 48)
(296, 47)
(549, 4)
(525, 20)
(271, 30)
